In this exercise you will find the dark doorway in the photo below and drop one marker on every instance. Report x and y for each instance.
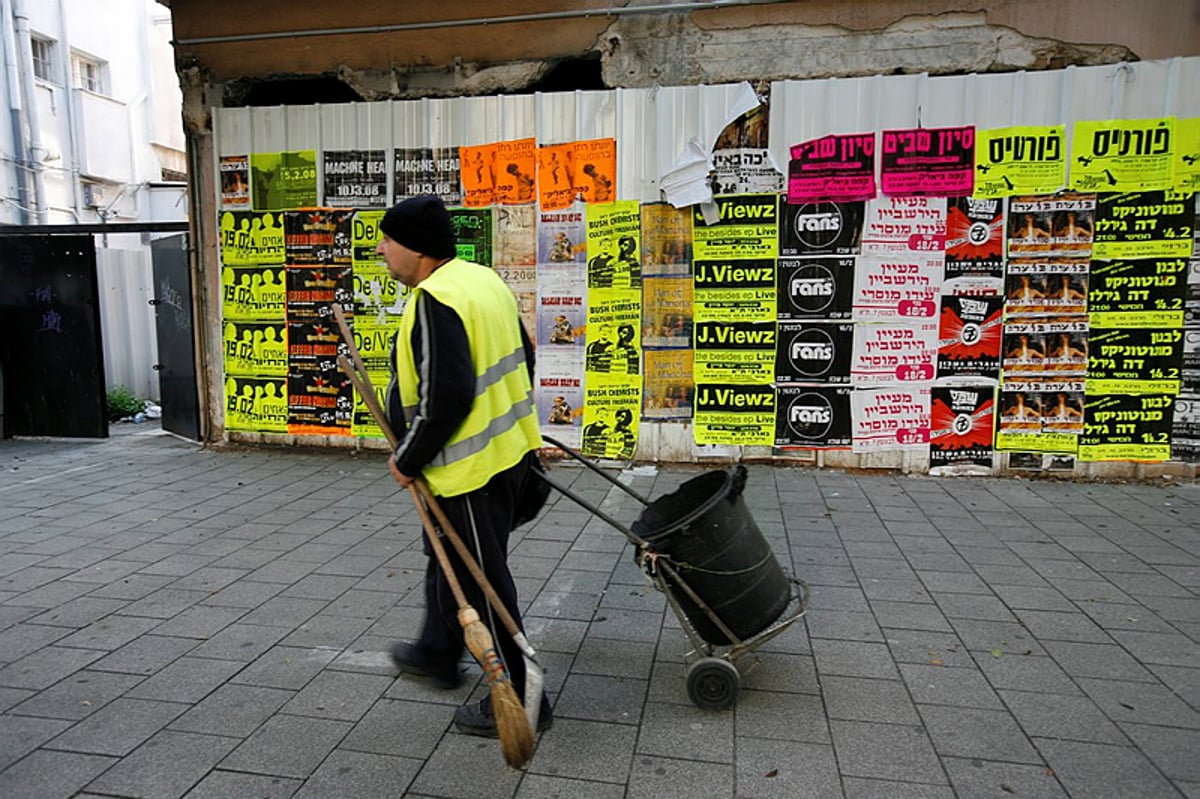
(176, 337)
(52, 360)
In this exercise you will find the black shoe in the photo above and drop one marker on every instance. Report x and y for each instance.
(477, 719)
(410, 660)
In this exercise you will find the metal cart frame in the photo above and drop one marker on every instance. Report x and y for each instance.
(713, 679)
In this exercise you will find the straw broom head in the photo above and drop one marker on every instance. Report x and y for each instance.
(516, 738)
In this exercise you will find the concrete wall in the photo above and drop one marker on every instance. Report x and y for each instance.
(764, 40)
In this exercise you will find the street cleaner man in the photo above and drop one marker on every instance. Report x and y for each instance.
(461, 403)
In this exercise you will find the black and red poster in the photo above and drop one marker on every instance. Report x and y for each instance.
(970, 332)
(974, 238)
(961, 423)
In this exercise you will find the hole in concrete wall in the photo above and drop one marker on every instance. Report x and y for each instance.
(570, 75)
(298, 91)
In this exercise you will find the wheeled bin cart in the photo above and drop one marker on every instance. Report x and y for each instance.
(699, 545)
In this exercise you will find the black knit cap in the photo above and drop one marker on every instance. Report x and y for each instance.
(421, 224)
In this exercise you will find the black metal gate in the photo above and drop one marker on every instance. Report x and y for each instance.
(176, 337)
(51, 357)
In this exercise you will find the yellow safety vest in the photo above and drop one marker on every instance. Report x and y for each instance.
(502, 424)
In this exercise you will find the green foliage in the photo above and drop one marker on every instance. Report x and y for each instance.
(121, 403)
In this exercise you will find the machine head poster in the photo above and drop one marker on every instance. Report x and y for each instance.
(815, 417)
(961, 422)
(970, 331)
(284, 180)
(1127, 427)
(814, 352)
(1122, 154)
(1144, 224)
(815, 288)
(425, 170)
(736, 414)
(821, 228)
(1020, 160)
(355, 178)
(832, 169)
(937, 162)
(974, 238)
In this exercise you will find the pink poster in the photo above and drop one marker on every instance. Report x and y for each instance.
(938, 162)
(832, 169)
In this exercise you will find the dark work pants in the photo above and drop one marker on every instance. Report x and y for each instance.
(483, 519)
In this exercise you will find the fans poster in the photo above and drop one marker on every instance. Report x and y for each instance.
(815, 288)
(813, 417)
(814, 352)
(821, 228)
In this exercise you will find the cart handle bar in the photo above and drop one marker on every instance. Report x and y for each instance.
(633, 537)
(598, 471)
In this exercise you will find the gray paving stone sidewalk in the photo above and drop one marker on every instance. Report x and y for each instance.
(187, 622)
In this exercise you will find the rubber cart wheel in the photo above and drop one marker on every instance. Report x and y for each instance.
(712, 684)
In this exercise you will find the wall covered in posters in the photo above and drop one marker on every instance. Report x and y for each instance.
(969, 296)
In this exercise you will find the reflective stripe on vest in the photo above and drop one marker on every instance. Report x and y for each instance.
(502, 423)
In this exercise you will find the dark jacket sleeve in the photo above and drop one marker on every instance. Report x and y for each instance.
(445, 383)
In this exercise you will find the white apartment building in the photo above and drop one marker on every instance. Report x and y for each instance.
(91, 132)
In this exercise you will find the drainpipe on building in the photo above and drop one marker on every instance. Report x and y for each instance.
(35, 151)
(69, 100)
(14, 108)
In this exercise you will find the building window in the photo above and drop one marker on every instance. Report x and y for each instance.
(43, 58)
(89, 73)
